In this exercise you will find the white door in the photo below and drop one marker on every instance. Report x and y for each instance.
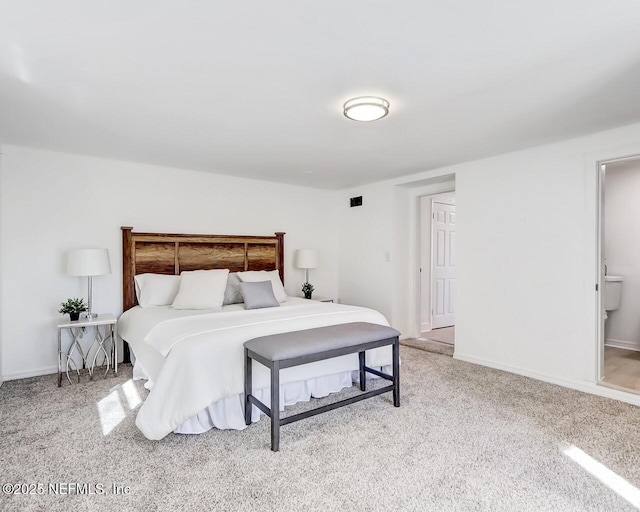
(443, 257)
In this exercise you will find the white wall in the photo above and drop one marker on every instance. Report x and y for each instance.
(53, 202)
(622, 249)
(526, 257)
(526, 265)
(520, 261)
(1, 279)
(366, 240)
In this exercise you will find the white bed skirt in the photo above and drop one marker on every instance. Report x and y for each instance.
(228, 413)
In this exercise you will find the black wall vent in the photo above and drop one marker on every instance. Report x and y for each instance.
(356, 201)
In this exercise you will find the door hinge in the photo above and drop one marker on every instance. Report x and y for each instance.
(596, 286)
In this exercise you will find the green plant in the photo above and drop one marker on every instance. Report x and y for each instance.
(73, 306)
(307, 288)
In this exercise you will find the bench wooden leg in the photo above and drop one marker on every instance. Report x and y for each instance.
(248, 408)
(363, 376)
(396, 372)
(275, 407)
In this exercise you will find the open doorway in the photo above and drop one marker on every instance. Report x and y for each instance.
(620, 280)
(438, 267)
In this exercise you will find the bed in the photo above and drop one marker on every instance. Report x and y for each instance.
(193, 359)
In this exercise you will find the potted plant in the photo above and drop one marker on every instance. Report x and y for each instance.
(73, 307)
(307, 289)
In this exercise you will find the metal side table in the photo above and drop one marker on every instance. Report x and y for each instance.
(77, 330)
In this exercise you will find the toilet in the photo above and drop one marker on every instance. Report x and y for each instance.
(612, 293)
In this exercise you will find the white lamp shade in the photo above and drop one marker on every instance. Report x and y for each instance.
(306, 258)
(88, 262)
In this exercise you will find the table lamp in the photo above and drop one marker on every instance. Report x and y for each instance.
(88, 263)
(306, 259)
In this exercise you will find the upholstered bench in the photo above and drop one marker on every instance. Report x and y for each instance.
(286, 350)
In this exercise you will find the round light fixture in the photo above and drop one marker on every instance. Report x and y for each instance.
(366, 108)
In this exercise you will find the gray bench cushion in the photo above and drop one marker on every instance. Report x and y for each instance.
(289, 345)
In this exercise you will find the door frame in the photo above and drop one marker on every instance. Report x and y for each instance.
(432, 292)
(600, 184)
(422, 269)
(439, 184)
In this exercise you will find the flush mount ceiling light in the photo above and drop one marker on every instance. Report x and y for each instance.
(366, 108)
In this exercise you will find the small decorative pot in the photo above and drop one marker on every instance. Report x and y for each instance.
(307, 295)
(74, 316)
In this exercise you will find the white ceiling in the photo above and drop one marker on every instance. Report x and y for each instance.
(255, 88)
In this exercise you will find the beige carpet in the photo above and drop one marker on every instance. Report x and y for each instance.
(465, 438)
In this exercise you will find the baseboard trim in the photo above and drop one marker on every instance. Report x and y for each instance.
(31, 373)
(588, 387)
(627, 345)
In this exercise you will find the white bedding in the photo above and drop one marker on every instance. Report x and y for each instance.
(194, 360)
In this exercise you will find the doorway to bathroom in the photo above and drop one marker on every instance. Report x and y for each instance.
(620, 259)
(438, 267)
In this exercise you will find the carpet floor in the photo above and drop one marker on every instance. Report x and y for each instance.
(465, 438)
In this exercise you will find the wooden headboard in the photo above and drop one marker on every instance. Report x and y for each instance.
(162, 253)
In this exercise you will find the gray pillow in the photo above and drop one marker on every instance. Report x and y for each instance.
(232, 293)
(258, 295)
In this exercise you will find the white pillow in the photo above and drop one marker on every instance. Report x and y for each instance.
(156, 289)
(201, 289)
(255, 276)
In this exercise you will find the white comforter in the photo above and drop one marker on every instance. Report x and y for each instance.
(196, 359)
